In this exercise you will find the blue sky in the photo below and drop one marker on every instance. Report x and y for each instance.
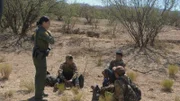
(90, 2)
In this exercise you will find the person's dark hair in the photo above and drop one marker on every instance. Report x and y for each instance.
(42, 19)
(69, 57)
(119, 52)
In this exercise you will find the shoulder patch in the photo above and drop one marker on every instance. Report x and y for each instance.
(47, 33)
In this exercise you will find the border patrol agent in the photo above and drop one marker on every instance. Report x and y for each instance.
(42, 38)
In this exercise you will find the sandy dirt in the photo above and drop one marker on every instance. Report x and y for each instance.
(87, 52)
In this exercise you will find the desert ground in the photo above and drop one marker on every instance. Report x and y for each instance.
(91, 56)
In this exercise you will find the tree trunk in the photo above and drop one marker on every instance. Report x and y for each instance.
(1, 8)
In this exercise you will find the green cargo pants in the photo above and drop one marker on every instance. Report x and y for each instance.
(40, 76)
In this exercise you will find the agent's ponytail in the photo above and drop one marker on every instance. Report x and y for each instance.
(41, 20)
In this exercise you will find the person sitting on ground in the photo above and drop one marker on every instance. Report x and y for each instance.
(68, 73)
(108, 74)
(109, 88)
(124, 88)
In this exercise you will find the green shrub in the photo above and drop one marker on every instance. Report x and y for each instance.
(5, 70)
(173, 70)
(167, 85)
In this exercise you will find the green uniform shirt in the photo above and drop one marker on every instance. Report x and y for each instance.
(42, 39)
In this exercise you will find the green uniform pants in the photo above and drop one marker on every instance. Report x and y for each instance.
(40, 76)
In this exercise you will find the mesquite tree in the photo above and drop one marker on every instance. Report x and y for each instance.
(143, 19)
(19, 15)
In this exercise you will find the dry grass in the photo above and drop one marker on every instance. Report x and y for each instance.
(173, 70)
(177, 98)
(64, 98)
(2, 59)
(28, 85)
(5, 70)
(61, 88)
(99, 61)
(102, 98)
(75, 90)
(167, 85)
(78, 97)
(132, 76)
(9, 94)
(108, 97)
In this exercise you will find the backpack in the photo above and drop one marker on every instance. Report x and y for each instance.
(132, 92)
(50, 80)
(81, 81)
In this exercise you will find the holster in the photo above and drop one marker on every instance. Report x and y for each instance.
(37, 52)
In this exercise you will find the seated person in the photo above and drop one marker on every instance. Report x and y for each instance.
(110, 88)
(68, 73)
(124, 88)
(108, 74)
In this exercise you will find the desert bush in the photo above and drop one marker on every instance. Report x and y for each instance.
(143, 19)
(174, 19)
(28, 85)
(61, 88)
(70, 19)
(177, 98)
(59, 9)
(9, 94)
(5, 70)
(78, 97)
(173, 70)
(87, 12)
(132, 76)
(19, 15)
(167, 85)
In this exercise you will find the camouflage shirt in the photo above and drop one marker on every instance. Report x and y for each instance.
(109, 88)
(119, 90)
(67, 71)
(116, 63)
(123, 91)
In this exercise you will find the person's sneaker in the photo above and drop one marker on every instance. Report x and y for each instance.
(45, 95)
